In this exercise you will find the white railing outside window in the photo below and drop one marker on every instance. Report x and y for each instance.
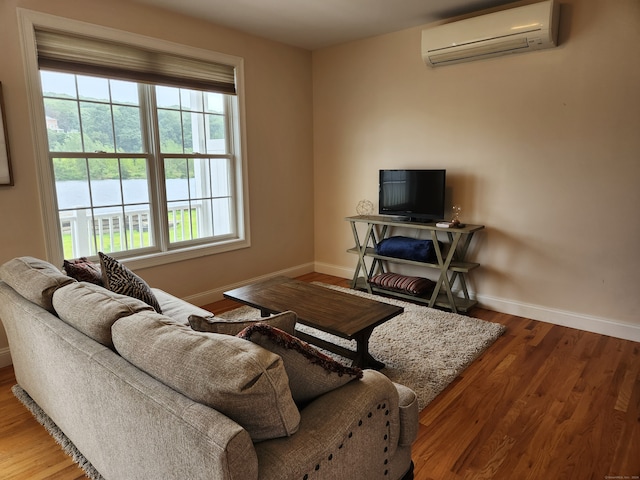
(117, 231)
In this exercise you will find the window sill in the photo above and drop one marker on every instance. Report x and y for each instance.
(164, 258)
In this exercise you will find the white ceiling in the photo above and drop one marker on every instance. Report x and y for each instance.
(313, 24)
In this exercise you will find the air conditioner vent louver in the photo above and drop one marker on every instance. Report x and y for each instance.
(518, 30)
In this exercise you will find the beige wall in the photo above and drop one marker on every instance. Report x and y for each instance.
(279, 145)
(542, 148)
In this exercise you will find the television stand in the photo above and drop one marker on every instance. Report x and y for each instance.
(450, 263)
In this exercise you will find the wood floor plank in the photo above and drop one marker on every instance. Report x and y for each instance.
(542, 402)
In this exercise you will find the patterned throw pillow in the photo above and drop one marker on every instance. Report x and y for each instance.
(120, 279)
(285, 321)
(311, 373)
(83, 270)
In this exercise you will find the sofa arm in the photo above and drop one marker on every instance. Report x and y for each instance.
(408, 415)
(111, 410)
(350, 432)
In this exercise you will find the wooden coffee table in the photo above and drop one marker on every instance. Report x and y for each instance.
(341, 314)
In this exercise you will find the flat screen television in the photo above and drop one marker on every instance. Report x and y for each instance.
(417, 195)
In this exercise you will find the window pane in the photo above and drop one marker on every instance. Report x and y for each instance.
(214, 102)
(63, 125)
(128, 129)
(77, 233)
(202, 178)
(56, 84)
(170, 125)
(182, 224)
(124, 92)
(220, 176)
(92, 88)
(216, 142)
(222, 215)
(189, 123)
(73, 194)
(139, 231)
(109, 229)
(191, 100)
(97, 127)
(168, 97)
(65, 169)
(177, 174)
(135, 183)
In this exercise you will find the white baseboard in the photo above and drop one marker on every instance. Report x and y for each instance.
(580, 321)
(5, 357)
(215, 294)
(334, 270)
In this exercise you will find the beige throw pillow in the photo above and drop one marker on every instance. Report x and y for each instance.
(246, 383)
(311, 373)
(285, 321)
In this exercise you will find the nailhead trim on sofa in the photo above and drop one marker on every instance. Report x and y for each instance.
(380, 407)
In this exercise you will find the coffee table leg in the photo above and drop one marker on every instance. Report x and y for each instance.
(363, 358)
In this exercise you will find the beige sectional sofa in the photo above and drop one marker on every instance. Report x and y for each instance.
(144, 396)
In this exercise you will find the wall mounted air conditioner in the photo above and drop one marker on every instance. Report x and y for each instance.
(517, 30)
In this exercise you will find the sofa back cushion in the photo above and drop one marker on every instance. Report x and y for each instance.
(239, 379)
(93, 309)
(34, 279)
(177, 309)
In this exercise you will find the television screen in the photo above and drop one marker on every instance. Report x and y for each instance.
(416, 194)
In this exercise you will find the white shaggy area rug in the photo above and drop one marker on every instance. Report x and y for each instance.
(422, 348)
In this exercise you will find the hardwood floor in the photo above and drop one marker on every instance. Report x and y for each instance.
(26, 449)
(543, 402)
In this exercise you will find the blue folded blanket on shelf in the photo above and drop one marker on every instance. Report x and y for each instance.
(407, 248)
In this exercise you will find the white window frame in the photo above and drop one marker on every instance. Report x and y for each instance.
(28, 21)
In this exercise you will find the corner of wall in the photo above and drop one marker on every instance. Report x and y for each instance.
(5, 357)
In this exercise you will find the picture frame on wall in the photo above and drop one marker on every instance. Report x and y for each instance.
(6, 176)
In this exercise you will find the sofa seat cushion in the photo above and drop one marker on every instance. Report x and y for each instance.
(119, 279)
(34, 279)
(285, 321)
(93, 309)
(311, 373)
(243, 381)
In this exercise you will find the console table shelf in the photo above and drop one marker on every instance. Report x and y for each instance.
(455, 266)
(450, 261)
